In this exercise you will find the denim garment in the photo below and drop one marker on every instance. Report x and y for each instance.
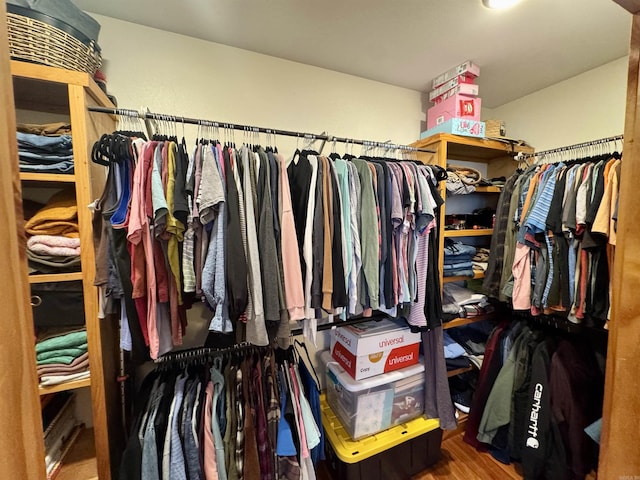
(44, 157)
(40, 143)
(150, 466)
(190, 437)
(59, 167)
(177, 467)
(455, 249)
(218, 388)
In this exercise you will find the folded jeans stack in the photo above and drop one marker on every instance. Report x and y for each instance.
(62, 357)
(42, 151)
(54, 244)
(458, 259)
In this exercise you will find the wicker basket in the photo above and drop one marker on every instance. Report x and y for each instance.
(495, 129)
(35, 41)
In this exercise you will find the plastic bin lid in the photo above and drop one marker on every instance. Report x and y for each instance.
(352, 451)
(352, 385)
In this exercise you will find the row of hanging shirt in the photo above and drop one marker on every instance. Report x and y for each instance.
(253, 415)
(552, 249)
(260, 240)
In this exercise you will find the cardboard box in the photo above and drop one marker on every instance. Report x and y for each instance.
(457, 126)
(467, 68)
(450, 85)
(468, 89)
(377, 403)
(457, 106)
(374, 347)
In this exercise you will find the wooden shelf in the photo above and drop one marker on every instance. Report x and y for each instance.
(63, 387)
(55, 277)
(462, 425)
(47, 177)
(471, 148)
(45, 89)
(488, 189)
(459, 322)
(479, 189)
(80, 463)
(458, 371)
(478, 274)
(469, 232)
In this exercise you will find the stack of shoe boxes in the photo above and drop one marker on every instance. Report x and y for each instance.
(456, 104)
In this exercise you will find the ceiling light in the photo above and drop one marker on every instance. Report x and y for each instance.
(499, 3)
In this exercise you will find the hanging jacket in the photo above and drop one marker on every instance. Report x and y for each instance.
(543, 455)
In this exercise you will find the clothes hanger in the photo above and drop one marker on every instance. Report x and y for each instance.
(310, 363)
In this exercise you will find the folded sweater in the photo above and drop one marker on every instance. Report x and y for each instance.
(58, 217)
(69, 340)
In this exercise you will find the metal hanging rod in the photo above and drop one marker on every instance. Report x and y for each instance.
(591, 143)
(247, 128)
(201, 353)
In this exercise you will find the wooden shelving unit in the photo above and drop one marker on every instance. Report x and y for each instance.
(498, 157)
(66, 94)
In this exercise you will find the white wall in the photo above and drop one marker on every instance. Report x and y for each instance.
(586, 107)
(179, 75)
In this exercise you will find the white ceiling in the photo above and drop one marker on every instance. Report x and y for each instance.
(405, 42)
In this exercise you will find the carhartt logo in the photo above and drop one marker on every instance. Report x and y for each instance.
(532, 441)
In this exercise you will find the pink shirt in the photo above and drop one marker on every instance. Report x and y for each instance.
(139, 232)
(290, 263)
(210, 467)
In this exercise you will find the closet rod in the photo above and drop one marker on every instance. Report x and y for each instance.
(590, 143)
(204, 352)
(247, 128)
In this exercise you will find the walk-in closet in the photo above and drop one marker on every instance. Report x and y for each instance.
(379, 240)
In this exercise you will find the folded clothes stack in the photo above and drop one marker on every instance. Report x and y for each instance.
(458, 259)
(45, 148)
(458, 301)
(54, 245)
(62, 357)
(481, 259)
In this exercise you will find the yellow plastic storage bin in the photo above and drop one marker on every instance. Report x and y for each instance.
(396, 453)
